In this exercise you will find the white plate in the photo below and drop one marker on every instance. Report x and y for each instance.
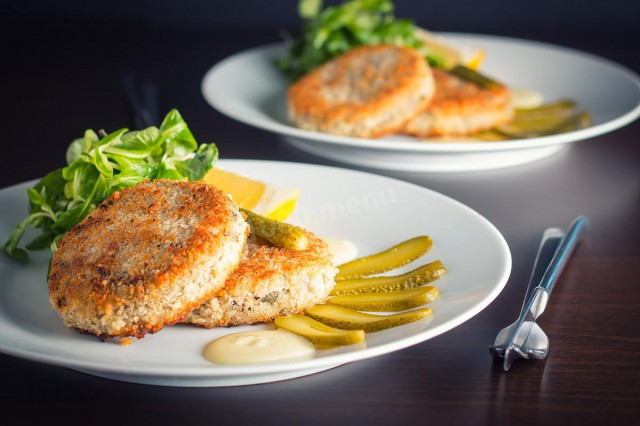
(248, 88)
(372, 211)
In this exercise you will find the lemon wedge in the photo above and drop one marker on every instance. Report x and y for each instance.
(450, 53)
(273, 201)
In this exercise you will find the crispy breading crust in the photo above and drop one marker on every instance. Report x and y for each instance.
(146, 257)
(461, 108)
(269, 282)
(368, 92)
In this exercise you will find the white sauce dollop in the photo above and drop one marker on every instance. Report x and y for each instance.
(526, 98)
(343, 250)
(260, 346)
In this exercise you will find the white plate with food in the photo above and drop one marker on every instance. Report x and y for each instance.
(371, 211)
(249, 88)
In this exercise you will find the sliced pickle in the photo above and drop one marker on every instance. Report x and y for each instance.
(561, 105)
(389, 301)
(490, 136)
(559, 114)
(317, 332)
(387, 260)
(474, 77)
(549, 119)
(348, 319)
(579, 121)
(532, 125)
(543, 125)
(280, 234)
(419, 276)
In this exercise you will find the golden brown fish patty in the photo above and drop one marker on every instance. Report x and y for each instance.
(368, 92)
(269, 282)
(146, 257)
(461, 108)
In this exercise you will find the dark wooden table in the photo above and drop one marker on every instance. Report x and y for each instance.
(61, 77)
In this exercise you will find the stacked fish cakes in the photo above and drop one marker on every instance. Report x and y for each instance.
(151, 254)
(373, 91)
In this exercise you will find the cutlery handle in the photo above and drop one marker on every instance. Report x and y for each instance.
(548, 247)
(576, 231)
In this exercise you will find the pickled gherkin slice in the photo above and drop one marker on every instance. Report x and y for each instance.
(474, 77)
(554, 107)
(490, 136)
(549, 119)
(348, 319)
(280, 234)
(389, 301)
(578, 121)
(419, 276)
(387, 260)
(318, 333)
(543, 125)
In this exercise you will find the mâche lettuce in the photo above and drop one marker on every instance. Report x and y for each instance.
(332, 31)
(97, 166)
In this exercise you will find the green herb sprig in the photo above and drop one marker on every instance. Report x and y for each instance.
(97, 167)
(332, 31)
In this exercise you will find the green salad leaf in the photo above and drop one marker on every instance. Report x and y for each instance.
(330, 32)
(97, 167)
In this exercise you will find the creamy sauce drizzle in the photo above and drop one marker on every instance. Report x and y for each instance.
(343, 250)
(260, 346)
(525, 98)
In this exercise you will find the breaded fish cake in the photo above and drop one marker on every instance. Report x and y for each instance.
(461, 108)
(146, 257)
(269, 282)
(368, 92)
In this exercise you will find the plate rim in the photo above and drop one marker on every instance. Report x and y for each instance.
(426, 146)
(160, 370)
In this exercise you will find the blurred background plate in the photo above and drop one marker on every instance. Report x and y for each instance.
(249, 88)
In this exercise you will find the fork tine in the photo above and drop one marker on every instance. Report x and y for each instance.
(509, 356)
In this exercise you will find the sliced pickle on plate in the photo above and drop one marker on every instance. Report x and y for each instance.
(475, 77)
(280, 234)
(419, 276)
(318, 333)
(490, 136)
(544, 125)
(388, 301)
(561, 105)
(548, 119)
(348, 319)
(578, 121)
(392, 258)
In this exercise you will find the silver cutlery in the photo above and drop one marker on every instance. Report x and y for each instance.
(524, 338)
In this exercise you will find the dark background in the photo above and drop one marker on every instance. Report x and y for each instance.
(86, 48)
(541, 16)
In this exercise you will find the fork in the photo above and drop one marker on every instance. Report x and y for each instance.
(524, 338)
